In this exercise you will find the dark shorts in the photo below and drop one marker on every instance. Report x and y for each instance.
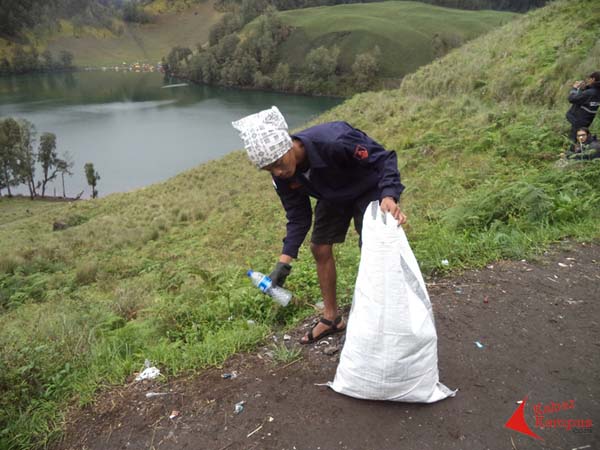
(333, 220)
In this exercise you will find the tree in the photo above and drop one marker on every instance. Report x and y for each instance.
(228, 24)
(66, 59)
(250, 9)
(225, 49)
(48, 158)
(366, 68)
(175, 56)
(321, 62)
(5, 66)
(133, 12)
(22, 61)
(64, 166)
(25, 156)
(322, 66)
(210, 68)
(10, 136)
(48, 60)
(92, 178)
(281, 77)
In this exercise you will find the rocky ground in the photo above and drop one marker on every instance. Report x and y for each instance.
(537, 323)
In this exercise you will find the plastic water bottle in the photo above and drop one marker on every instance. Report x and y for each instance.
(264, 283)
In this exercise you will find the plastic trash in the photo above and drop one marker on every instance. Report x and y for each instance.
(264, 283)
(239, 407)
(155, 394)
(174, 414)
(479, 344)
(255, 431)
(229, 376)
(445, 262)
(149, 373)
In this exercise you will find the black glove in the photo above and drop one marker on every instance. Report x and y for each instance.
(280, 273)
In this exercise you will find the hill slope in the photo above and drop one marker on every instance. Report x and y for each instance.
(159, 273)
(175, 23)
(409, 34)
(148, 43)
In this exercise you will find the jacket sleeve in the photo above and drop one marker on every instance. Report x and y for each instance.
(299, 216)
(591, 151)
(355, 148)
(579, 96)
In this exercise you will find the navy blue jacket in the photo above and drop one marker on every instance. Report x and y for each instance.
(344, 164)
(585, 103)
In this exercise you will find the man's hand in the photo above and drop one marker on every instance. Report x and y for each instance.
(579, 84)
(388, 204)
(280, 273)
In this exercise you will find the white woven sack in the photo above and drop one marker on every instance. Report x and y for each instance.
(390, 351)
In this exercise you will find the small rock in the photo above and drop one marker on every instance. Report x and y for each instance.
(58, 225)
(286, 337)
(331, 350)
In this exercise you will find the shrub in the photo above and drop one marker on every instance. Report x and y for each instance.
(86, 273)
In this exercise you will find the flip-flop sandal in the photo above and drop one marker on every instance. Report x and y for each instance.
(333, 328)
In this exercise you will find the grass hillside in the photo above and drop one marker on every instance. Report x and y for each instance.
(406, 32)
(176, 23)
(159, 273)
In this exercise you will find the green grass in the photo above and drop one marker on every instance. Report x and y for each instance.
(159, 273)
(284, 355)
(403, 31)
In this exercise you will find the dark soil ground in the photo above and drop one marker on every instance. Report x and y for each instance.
(538, 323)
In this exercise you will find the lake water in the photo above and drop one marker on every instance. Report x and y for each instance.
(133, 130)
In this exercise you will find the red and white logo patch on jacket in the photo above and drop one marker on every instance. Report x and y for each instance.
(361, 153)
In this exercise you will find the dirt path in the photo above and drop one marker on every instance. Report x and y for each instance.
(538, 323)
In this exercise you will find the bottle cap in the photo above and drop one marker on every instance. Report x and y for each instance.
(250, 272)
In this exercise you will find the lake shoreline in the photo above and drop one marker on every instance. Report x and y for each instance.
(134, 132)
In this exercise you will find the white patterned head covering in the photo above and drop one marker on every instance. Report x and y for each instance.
(265, 135)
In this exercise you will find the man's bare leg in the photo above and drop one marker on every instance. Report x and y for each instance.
(323, 254)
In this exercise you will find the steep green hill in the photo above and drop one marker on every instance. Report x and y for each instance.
(159, 273)
(409, 34)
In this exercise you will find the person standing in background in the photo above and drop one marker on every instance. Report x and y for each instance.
(585, 100)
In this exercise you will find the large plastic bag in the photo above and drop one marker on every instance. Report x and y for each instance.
(390, 351)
